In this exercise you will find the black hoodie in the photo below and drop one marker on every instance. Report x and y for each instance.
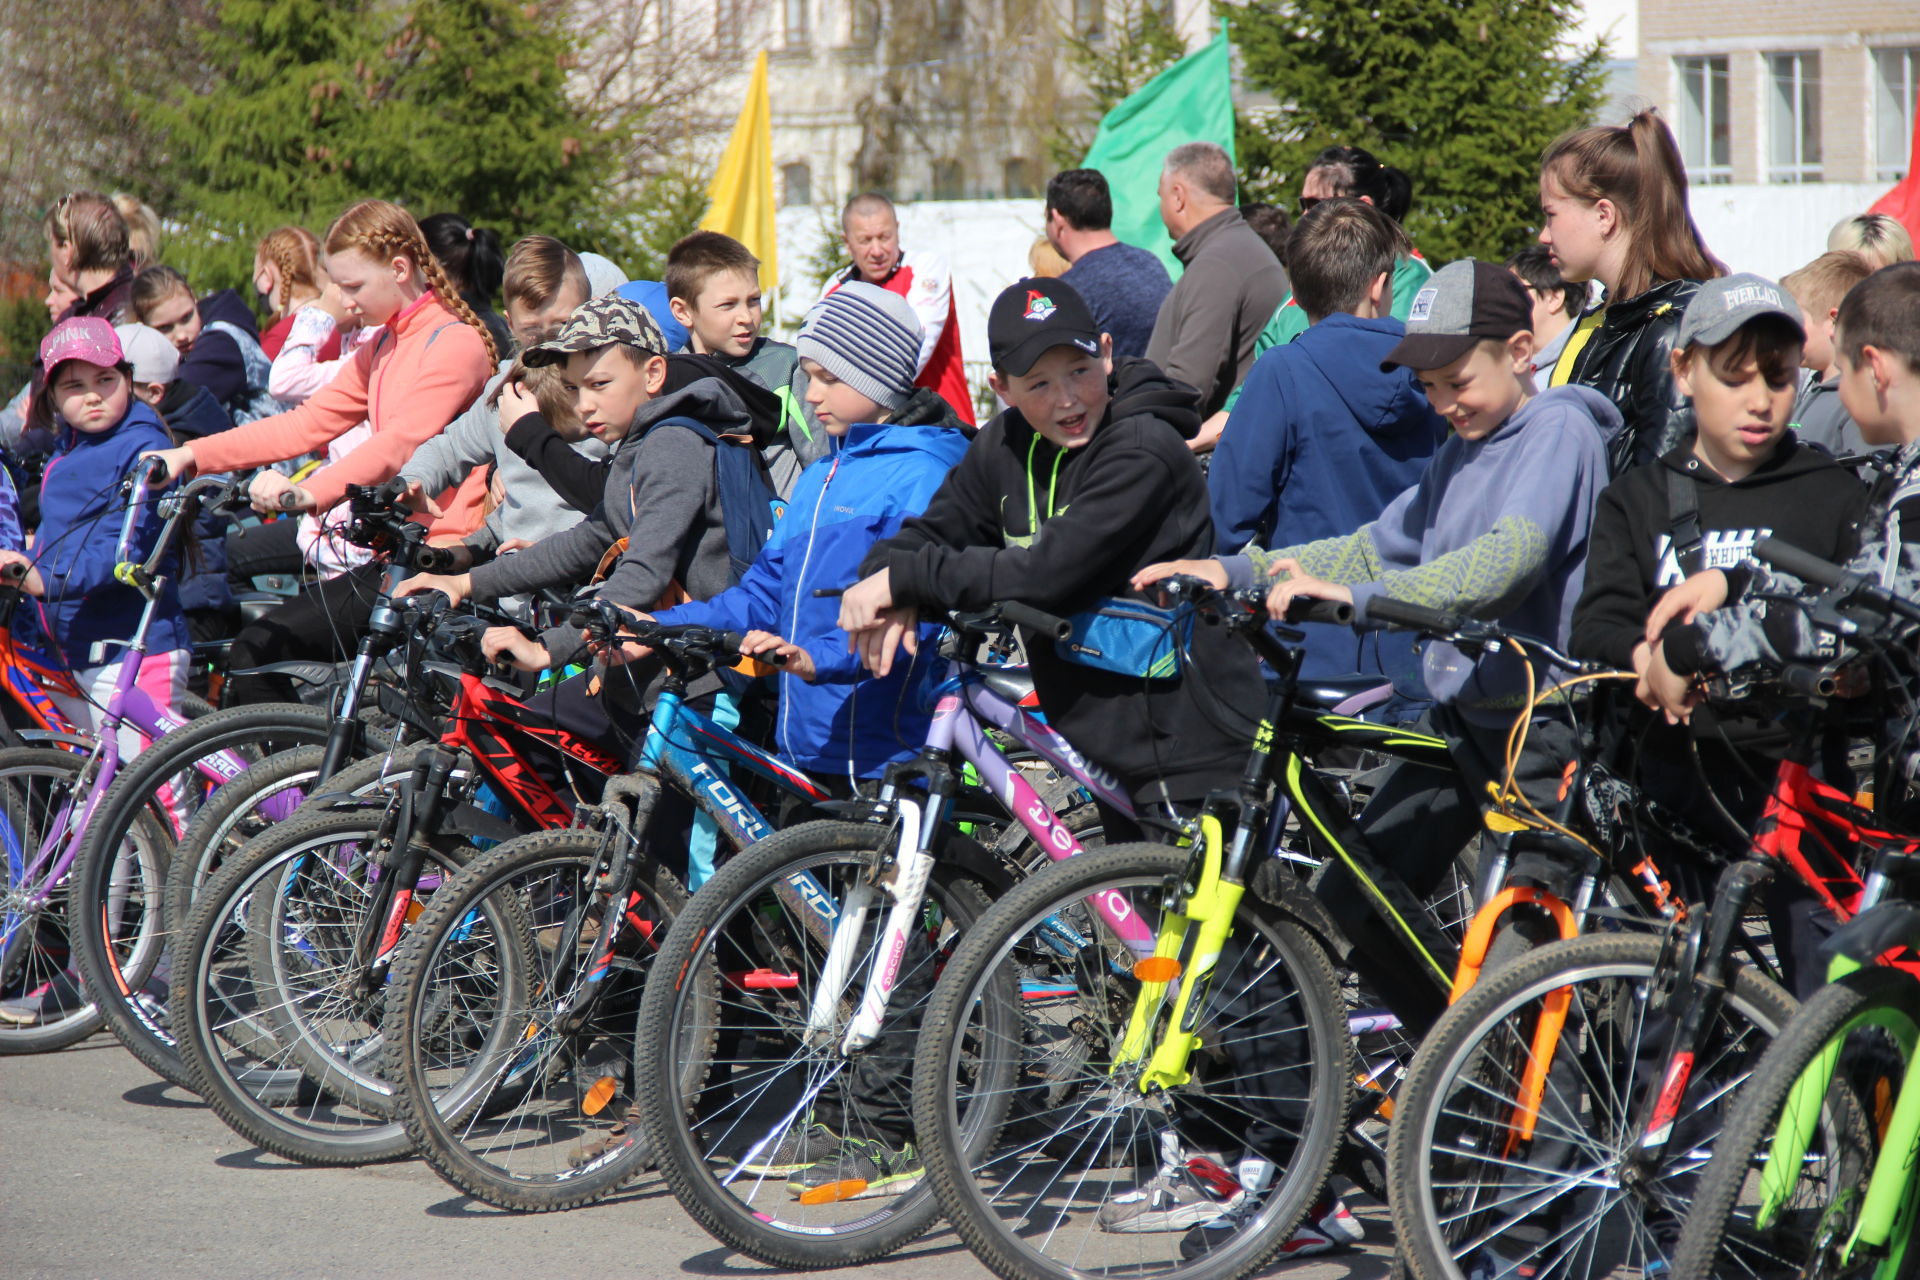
(1129, 497)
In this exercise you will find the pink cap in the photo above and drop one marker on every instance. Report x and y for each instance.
(86, 338)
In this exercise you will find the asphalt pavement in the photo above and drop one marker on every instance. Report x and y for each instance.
(105, 1171)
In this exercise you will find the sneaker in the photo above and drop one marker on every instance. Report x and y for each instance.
(1329, 1228)
(593, 1148)
(876, 1168)
(800, 1147)
(1172, 1200)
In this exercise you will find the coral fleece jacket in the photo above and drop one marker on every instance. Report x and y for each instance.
(418, 376)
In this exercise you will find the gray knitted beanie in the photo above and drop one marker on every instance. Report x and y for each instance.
(867, 337)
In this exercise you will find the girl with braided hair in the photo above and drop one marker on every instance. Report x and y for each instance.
(429, 362)
(290, 280)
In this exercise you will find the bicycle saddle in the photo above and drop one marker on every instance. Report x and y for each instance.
(1330, 693)
(1015, 684)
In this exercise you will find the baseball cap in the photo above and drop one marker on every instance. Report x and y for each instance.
(601, 322)
(154, 359)
(86, 338)
(1031, 317)
(1723, 305)
(1463, 304)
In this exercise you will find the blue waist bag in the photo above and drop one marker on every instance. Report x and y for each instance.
(1128, 638)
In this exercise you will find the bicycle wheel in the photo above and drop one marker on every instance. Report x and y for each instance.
(1500, 1159)
(507, 1095)
(44, 1001)
(277, 1033)
(1867, 1023)
(122, 943)
(1034, 1137)
(747, 957)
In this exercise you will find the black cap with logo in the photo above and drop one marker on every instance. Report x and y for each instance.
(1031, 317)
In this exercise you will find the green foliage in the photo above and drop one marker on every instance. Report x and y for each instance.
(1463, 96)
(443, 105)
(23, 322)
(1136, 43)
(676, 201)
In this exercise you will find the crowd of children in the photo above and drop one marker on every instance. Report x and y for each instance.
(1583, 442)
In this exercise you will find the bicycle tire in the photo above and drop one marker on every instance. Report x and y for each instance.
(46, 1003)
(126, 968)
(1462, 1100)
(697, 1124)
(1078, 1126)
(500, 1104)
(1719, 1238)
(223, 1011)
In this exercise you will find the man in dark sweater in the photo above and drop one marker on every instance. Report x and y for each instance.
(1123, 285)
(1205, 330)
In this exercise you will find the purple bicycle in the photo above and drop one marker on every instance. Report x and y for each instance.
(49, 795)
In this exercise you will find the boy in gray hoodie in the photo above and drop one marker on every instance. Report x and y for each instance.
(1497, 527)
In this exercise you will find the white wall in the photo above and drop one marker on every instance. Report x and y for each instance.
(1774, 229)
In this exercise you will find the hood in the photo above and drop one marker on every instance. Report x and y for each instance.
(1345, 353)
(928, 408)
(1139, 387)
(226, 305)
(190, 411)
(1790, 461)
(710, 401)
(759, 406)
(881, 439)
(1605, 414)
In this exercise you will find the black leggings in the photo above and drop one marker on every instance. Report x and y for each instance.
(323, 623)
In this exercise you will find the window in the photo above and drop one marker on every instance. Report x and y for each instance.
(1020, 180)
(949, 19)
(727, 15)
(796, 184)
(949, 180)
(1793, 118)
(863, 20)
(794, 24)
(1896, 94)
(1705, 137)
(1089, 19)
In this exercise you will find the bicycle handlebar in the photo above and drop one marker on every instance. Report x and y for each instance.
(1037, 620)
(607, 623)
(1810, 682)
(1413, 617)
(1824, 573)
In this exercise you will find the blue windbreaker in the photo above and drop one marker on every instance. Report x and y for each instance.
(846, 721)
(77, 544)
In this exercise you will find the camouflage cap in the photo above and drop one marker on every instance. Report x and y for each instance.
(601, 322)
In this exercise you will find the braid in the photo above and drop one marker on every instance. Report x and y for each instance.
(282, 255)
(436, 277)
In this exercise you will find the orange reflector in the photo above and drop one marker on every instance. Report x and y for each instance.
(599, 1095)
(414, 908)
(846, 1189)
(1156, 969)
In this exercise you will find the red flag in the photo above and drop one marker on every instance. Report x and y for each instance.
(1903, 202)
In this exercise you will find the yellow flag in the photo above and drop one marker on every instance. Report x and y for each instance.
(741, 192)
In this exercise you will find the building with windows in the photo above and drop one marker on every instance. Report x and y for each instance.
(1779, 92)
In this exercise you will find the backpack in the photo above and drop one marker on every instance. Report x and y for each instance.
(748, 505)
(252, 403)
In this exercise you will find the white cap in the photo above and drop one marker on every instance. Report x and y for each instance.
(153, 358)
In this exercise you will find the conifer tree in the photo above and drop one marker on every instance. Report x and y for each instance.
(1462, 96)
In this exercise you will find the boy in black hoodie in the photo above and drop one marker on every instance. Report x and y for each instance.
(1703, 506)
(1084, 480)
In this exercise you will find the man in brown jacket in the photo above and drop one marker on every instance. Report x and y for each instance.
(1232, 284)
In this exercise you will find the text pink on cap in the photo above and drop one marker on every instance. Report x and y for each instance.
(86, 338)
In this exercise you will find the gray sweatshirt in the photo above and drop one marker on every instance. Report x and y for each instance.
(661, 496)
(529, 508)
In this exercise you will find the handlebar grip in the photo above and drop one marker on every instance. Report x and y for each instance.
(433, 559)
(1412, 617)
(1046, 624)
(828, 593)
(289, 500)
(1801, 564)
(1307, 609)
(1811, 682)
(14, 572)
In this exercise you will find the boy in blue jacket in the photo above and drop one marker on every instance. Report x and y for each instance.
(1324, 436)
(891, 448)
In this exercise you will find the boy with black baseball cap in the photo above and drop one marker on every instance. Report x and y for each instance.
(1497, 529)
(1081, 482)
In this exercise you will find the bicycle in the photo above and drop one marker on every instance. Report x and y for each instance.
(53, 797)
(121, 945)
(525, 1100)
(1579, 1150)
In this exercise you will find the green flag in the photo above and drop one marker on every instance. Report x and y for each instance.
(1191, 101)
